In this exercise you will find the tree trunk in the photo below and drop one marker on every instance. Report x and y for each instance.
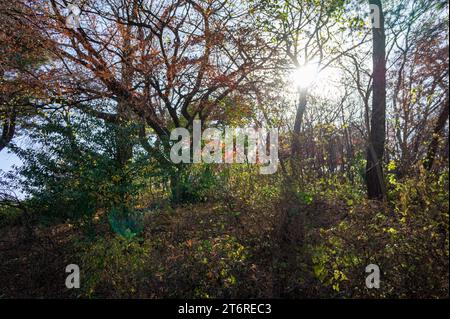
(437, 135)
(123, 153)
(9, 127)
(375, 147)
(301, 107)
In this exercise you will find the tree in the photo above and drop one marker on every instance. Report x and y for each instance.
(162, 63)
(377, 134)
(21, 54)
(438, 133)
(149, 67)
(417, 85)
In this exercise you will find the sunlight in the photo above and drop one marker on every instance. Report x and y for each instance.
(323, 83)
(305, 76)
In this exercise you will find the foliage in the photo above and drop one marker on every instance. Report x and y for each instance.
(89, 111)
(408, 240)
(115, 264)
(9, 215)
(70, 171)
(194, 183)
(211, 268)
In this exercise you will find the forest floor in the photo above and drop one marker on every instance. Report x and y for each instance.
(35, 268)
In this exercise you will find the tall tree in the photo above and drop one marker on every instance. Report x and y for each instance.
(158, 63)
(377, 134)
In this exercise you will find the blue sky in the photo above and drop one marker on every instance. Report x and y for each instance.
(7, 160)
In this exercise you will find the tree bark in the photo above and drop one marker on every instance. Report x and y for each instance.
(437, 135)
(9, 128)
(377, 134)
(301, 107)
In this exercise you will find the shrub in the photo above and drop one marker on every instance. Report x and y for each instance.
(408, 240)
(114, 267)
(194, 183)
(211, 268)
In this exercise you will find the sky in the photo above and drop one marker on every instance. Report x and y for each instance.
(7, 160)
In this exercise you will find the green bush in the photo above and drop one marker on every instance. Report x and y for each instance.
(194, 183)
(75, 172)
(9, 215)
(114, 267)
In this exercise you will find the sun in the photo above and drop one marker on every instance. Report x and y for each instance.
(318, 81)
(303, 77)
